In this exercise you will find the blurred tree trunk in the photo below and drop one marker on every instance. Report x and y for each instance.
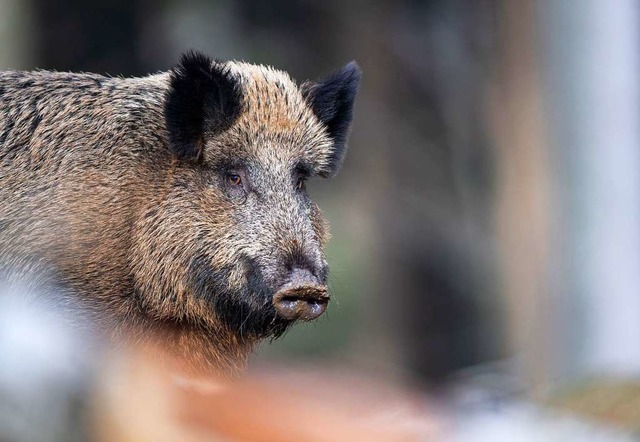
(593, 87)
(523, 191)
(437, 234)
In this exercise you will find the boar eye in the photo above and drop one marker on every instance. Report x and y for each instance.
(234, 179)
(236, 184)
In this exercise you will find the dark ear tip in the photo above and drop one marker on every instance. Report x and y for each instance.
(191, 55)
(354, 68)
(350, 73)
(192, 63)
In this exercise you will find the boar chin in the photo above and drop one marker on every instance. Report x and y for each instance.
(246, 311)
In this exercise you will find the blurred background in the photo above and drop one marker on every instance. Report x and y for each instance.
(486, 222)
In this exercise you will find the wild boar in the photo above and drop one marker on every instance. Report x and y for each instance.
(174, 202)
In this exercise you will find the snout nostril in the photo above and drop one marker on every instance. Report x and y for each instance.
(303, 297)
(291, 298)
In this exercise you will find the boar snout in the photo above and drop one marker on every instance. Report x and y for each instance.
(302, 297)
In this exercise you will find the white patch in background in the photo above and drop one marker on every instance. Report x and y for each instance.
(44, 372)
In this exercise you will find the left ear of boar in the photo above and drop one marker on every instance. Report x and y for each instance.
(331, 100)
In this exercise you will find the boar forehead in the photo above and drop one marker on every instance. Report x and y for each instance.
(276, 127)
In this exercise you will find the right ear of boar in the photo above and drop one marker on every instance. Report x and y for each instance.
(203, 99)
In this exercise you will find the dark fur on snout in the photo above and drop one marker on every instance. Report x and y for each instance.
(249, 312)
(173, 202)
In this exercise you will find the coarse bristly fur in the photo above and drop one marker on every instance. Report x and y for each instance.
(173, 202)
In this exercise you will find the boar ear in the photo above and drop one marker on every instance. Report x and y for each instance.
(203, 99)
(331, 100)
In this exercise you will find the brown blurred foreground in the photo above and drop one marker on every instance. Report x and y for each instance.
(613, 401)
(140, 398)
